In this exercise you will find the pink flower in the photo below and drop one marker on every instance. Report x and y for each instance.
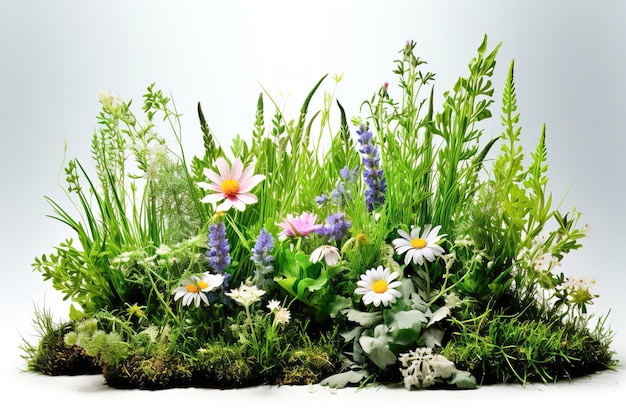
(233, 185)
(302, 225)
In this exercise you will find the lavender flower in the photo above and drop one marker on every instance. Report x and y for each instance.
(336, 227)
(372, 173)
(341, 194)
(261, 257)
(218, 254)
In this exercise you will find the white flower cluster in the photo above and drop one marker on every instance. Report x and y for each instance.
(575, 284)
(246, 294)
(281, 314)
(421, 368)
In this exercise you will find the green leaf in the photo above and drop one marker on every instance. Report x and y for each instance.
(287, 284)
(365, 319)
(438, 315)
(411, 319)
(344, 379)
(352, 334)
(432, 337)
(463, 379)
(406, 326)
(377, 347)
(338, 305)
(75, 314)
(311, 284)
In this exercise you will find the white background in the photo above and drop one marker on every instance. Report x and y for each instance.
(56, 56)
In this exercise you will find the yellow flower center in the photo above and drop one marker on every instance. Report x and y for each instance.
(230, 188)
(379, 286)
(418, 243)
(202, 285)
(191, 288)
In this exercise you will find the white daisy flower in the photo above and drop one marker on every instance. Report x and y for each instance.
(328, 252)
(378, 286)
(419, 246)
(194, 289)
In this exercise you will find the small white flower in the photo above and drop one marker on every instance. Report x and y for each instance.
(571, 283)
(378, 286)
(282, 316)
(156, 159)
(329, 253)
(419, 246)
(452, 300)
(273, 305)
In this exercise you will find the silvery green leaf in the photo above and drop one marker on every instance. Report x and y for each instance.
(343, 379)
(351, 334)
(418, 303)
(365, 319)
(377, 347)
(410, 319)
(432, 337)
(463, 379)
(438, 315)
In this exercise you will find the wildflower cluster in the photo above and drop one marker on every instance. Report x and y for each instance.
(268, 262)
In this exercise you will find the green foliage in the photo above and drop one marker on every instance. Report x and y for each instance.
(488, 307)
(508, 348)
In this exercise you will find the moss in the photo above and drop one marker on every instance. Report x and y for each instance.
(141, 372)
(308, 365)
(506, 349)
(226, 366)
(52, 356)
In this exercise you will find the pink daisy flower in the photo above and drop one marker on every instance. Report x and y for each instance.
(302, 225)
(231, 184)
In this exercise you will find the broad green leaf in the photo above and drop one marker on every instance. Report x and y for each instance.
(344, 379)
(287, 284)
(365, 319)
(432, 337)
(438, 315)
(377, 347)
(463, 379)
(411, 319)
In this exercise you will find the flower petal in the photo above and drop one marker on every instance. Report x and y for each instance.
(249, 183)
(247, 198)
(213, 176)
(405, 235)
(224, 206)
(212, 198)
(235, 170)
(223, 169)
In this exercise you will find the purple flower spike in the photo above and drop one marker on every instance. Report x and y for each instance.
(261, 254)
(218, 254)
(372, 173)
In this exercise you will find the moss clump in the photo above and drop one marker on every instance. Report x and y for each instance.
(55, 357)
(141, 372)
(308, 365)
(51, 355)
(225, 366)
